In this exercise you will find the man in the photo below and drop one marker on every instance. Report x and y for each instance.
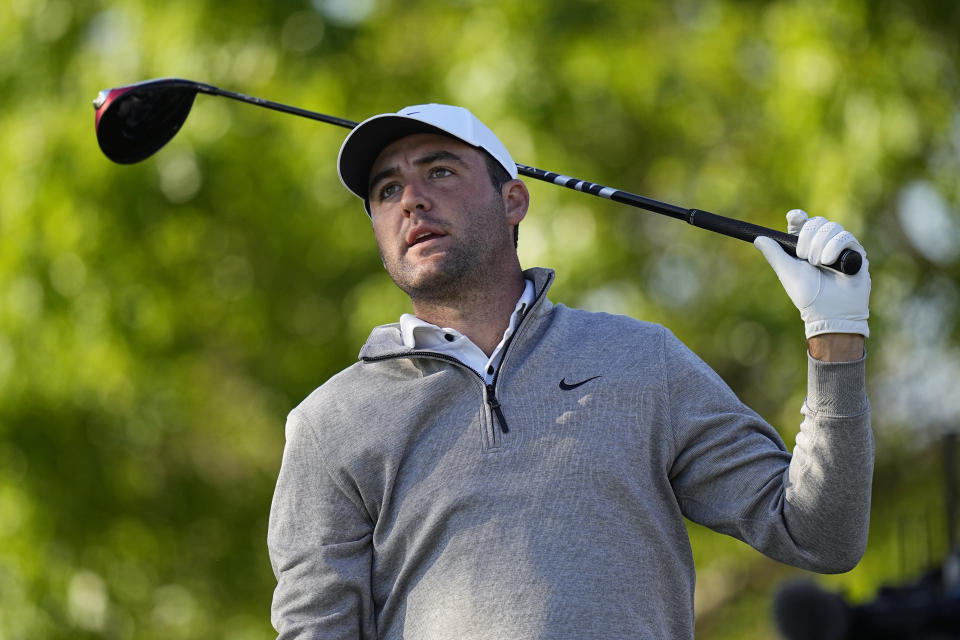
(497, 466)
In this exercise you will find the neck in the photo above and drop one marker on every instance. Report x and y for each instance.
(482, 313)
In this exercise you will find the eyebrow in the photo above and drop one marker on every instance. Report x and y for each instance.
(429, 158)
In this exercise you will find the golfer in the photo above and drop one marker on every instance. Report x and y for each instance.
(498, 466)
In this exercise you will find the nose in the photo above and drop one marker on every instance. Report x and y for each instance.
(415, 197)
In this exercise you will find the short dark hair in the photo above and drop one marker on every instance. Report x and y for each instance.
(500, 177)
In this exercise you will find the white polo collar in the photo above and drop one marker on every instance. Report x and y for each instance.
(418, 334)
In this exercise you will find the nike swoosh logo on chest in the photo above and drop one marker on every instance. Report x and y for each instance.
(567, 386)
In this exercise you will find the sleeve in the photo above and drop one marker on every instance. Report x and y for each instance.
(733, 473)
(319, 539)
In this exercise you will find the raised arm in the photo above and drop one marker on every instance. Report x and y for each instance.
(733, 473)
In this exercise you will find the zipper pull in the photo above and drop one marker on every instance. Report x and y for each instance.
(495, 407)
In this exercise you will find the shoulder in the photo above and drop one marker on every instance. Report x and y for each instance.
(575, 316)
(600, 326)
(619, 336)
(344, 392)
(337, 415)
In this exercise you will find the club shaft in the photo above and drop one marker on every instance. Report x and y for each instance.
(276, 106)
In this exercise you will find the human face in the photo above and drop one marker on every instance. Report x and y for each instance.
(439, 223)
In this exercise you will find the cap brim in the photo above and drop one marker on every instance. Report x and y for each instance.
(364, 144)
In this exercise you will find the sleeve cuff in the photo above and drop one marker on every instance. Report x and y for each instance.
(837, 388)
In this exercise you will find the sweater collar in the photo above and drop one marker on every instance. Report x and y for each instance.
(386, 340)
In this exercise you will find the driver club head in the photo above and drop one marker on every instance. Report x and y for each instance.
(133, 122)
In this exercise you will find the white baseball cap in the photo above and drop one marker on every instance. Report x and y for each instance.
(361, 148)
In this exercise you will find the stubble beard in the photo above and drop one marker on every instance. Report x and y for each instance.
(466, 263)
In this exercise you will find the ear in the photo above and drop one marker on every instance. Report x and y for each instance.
(516, 200)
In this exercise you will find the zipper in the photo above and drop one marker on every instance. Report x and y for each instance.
(495, 407)
(492, 387)
(520, 327)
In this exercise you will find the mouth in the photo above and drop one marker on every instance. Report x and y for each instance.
(422, 237)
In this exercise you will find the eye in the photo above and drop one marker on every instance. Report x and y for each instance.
(440, 172)
(388, 190)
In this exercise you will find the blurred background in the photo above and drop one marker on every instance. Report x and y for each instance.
(158, 320)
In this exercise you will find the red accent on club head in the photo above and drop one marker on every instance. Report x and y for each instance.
(105, 99)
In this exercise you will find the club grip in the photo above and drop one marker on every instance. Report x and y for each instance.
(849, 261)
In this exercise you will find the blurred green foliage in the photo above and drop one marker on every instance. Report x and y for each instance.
(157, 321)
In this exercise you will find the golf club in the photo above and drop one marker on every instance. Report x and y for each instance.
(134, 121)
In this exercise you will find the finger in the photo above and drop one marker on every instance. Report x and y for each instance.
(800, 280)
(819, 240)
(774, 254)
(807, 234)
(836, 244)
(795, 220)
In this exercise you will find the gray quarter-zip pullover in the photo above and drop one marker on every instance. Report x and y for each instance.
(416, 501)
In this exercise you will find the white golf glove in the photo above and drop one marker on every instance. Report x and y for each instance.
(829, 301)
